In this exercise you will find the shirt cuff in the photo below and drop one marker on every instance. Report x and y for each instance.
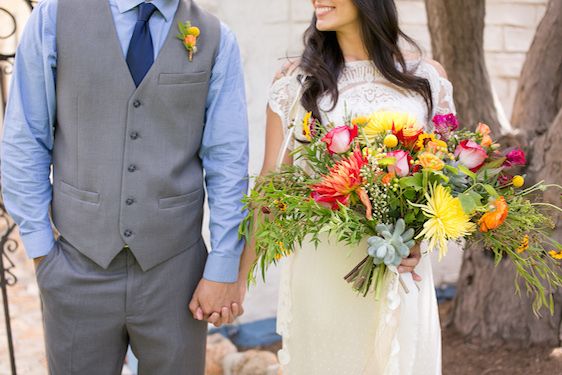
(38, 243)
(221, 269)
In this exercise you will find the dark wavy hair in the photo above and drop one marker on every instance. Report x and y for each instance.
(322, 60)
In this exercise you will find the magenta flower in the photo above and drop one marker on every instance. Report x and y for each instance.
(515, 157)
(445, 124)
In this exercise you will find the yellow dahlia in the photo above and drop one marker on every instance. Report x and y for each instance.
(447, 220)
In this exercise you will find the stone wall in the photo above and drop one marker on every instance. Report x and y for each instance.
(268, 31)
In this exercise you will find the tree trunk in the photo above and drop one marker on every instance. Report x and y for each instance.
(457, 41)
(539, 95)
(487, 309)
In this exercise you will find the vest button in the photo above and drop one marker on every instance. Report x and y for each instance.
(129, 201)
(136, 103)
(128, 233)
(134, 135)
(132, 168)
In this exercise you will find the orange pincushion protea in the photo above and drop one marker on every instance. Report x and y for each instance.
(344, 179)
(493, 219)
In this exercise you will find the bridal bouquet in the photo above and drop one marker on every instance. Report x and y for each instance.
(384, 178)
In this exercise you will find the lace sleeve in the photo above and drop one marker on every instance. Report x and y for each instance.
(441, 88)
(444, 103)
(281, 97)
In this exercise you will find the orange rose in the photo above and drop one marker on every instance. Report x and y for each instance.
(493, 219)
(431, 161)
(387, 178)
(484, 131)
(190, 40)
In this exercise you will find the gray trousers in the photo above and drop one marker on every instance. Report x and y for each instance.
(92, 314)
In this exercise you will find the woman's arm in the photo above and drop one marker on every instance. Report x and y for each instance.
(274, 138)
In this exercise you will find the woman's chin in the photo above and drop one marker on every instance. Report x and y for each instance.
(324, 26)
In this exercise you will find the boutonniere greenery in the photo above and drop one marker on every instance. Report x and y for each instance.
(188, 35)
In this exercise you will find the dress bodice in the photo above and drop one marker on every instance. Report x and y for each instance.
(364, 90)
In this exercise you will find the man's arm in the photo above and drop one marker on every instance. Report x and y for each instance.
(224, 152)
(28, 132)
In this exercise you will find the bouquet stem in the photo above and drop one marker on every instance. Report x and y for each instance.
(365, 274)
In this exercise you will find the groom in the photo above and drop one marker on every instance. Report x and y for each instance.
(134, 128)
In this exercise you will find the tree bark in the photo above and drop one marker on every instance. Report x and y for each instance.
(457, 41)
(539, 94)
(487, 309)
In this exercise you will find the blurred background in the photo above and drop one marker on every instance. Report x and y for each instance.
(269, 32)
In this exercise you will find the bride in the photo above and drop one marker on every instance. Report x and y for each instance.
(352, 63)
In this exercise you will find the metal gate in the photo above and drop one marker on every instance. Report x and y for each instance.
(10, 18)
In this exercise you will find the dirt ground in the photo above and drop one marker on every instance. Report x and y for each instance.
(462, 358)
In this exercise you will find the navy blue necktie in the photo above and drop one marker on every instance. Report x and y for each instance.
(140, 55)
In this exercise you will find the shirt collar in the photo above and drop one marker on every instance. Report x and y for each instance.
(166, 7)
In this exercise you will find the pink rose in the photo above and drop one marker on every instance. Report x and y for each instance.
(330, 201)
(339, 139)
(402, 165)
(515, 157)
(471, 155)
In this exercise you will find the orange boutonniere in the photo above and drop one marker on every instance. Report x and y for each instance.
(188, 35)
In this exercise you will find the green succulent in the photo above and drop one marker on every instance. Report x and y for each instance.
(392, 244)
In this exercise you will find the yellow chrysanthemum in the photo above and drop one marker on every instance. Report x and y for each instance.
(381, 122)
(447, 219)
(360, 121)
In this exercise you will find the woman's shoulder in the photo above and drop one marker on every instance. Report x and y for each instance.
(437, 67)
(290, 68)
(286, 79)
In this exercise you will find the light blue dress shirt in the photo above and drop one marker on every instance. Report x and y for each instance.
(30, 116)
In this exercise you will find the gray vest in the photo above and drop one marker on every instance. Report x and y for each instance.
(125, 160)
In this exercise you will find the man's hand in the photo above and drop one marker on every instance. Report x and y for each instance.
(408, 264)
(37, 261)
(218, 303)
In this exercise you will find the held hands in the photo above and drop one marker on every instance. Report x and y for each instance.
(409, 264)
(218, 303)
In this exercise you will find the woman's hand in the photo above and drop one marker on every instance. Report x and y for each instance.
(410, 263)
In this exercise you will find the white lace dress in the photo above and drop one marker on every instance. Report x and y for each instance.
(327, 328)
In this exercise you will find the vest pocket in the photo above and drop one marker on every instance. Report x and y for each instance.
(180, 200)
(81, 195)
(182, 78)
